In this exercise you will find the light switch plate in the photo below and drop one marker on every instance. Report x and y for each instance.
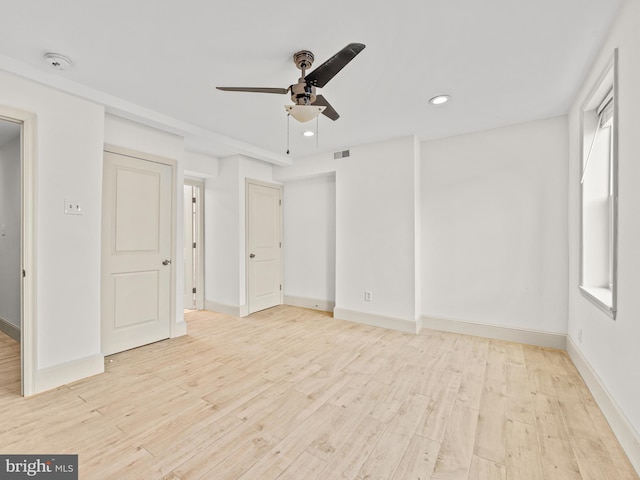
(72, 207)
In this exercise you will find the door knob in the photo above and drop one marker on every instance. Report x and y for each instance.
(166, 262)
(252, 255)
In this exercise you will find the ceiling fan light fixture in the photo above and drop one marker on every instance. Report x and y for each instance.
(304, 113)
(439, 99)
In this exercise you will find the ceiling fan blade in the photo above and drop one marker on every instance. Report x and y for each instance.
(329, 111)
(325, 72)
(281, 91)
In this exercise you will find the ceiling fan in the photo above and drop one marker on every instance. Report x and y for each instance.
(308, 105)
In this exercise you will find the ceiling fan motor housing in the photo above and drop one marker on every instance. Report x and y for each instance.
(302, 93)
(303, 59)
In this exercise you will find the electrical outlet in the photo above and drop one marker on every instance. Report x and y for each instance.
(367, 296)
(72, 207)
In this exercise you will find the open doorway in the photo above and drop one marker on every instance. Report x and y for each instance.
(17, 251)
(10, 246)
(193, 244)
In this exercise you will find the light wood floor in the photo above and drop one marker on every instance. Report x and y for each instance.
(294, 394)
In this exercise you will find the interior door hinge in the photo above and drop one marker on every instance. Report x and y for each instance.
(279, 202)
(281, 287)
(24, 273)
(194, 244)
(193, 199)
(280, 244)
(194, 289)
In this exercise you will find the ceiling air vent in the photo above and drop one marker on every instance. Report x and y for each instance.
(342, 154)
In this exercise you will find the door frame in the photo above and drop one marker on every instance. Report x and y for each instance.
(127, 152)
(276, 186)
(28, 310)
(199, 263)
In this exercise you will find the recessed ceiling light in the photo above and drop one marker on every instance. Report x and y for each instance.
(57, 61)
(308, 133)
(439, 99)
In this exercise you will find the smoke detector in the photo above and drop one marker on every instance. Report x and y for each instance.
(439, 99)
(57, 61)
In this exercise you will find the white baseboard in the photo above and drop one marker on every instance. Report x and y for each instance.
(391, 323)
(312, 303)
(10, 329)
(58, 375)
(530, 337)
(625, 432)
(222, 308)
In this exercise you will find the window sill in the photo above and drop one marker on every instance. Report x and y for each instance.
(600, 297)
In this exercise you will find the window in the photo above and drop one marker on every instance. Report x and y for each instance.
(599, 192)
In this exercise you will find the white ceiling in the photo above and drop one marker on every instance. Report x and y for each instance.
(503, 61)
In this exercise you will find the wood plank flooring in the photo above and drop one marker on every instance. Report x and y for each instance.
(290, 393)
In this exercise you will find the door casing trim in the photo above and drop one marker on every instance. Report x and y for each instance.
(249, 181)
(199, 183)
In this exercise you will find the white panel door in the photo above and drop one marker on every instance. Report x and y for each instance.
(136, 252)
(264, 247)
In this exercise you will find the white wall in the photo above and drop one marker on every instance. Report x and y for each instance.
(611, 347)
(494, 237)
(70, 136)
(200, 165)
(125, 133)
(310, 239)
(221, 233)
(69, 165)
(377, 229)
(225, 232)
(10, 224)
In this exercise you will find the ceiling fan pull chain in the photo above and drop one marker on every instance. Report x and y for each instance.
(288, 122)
